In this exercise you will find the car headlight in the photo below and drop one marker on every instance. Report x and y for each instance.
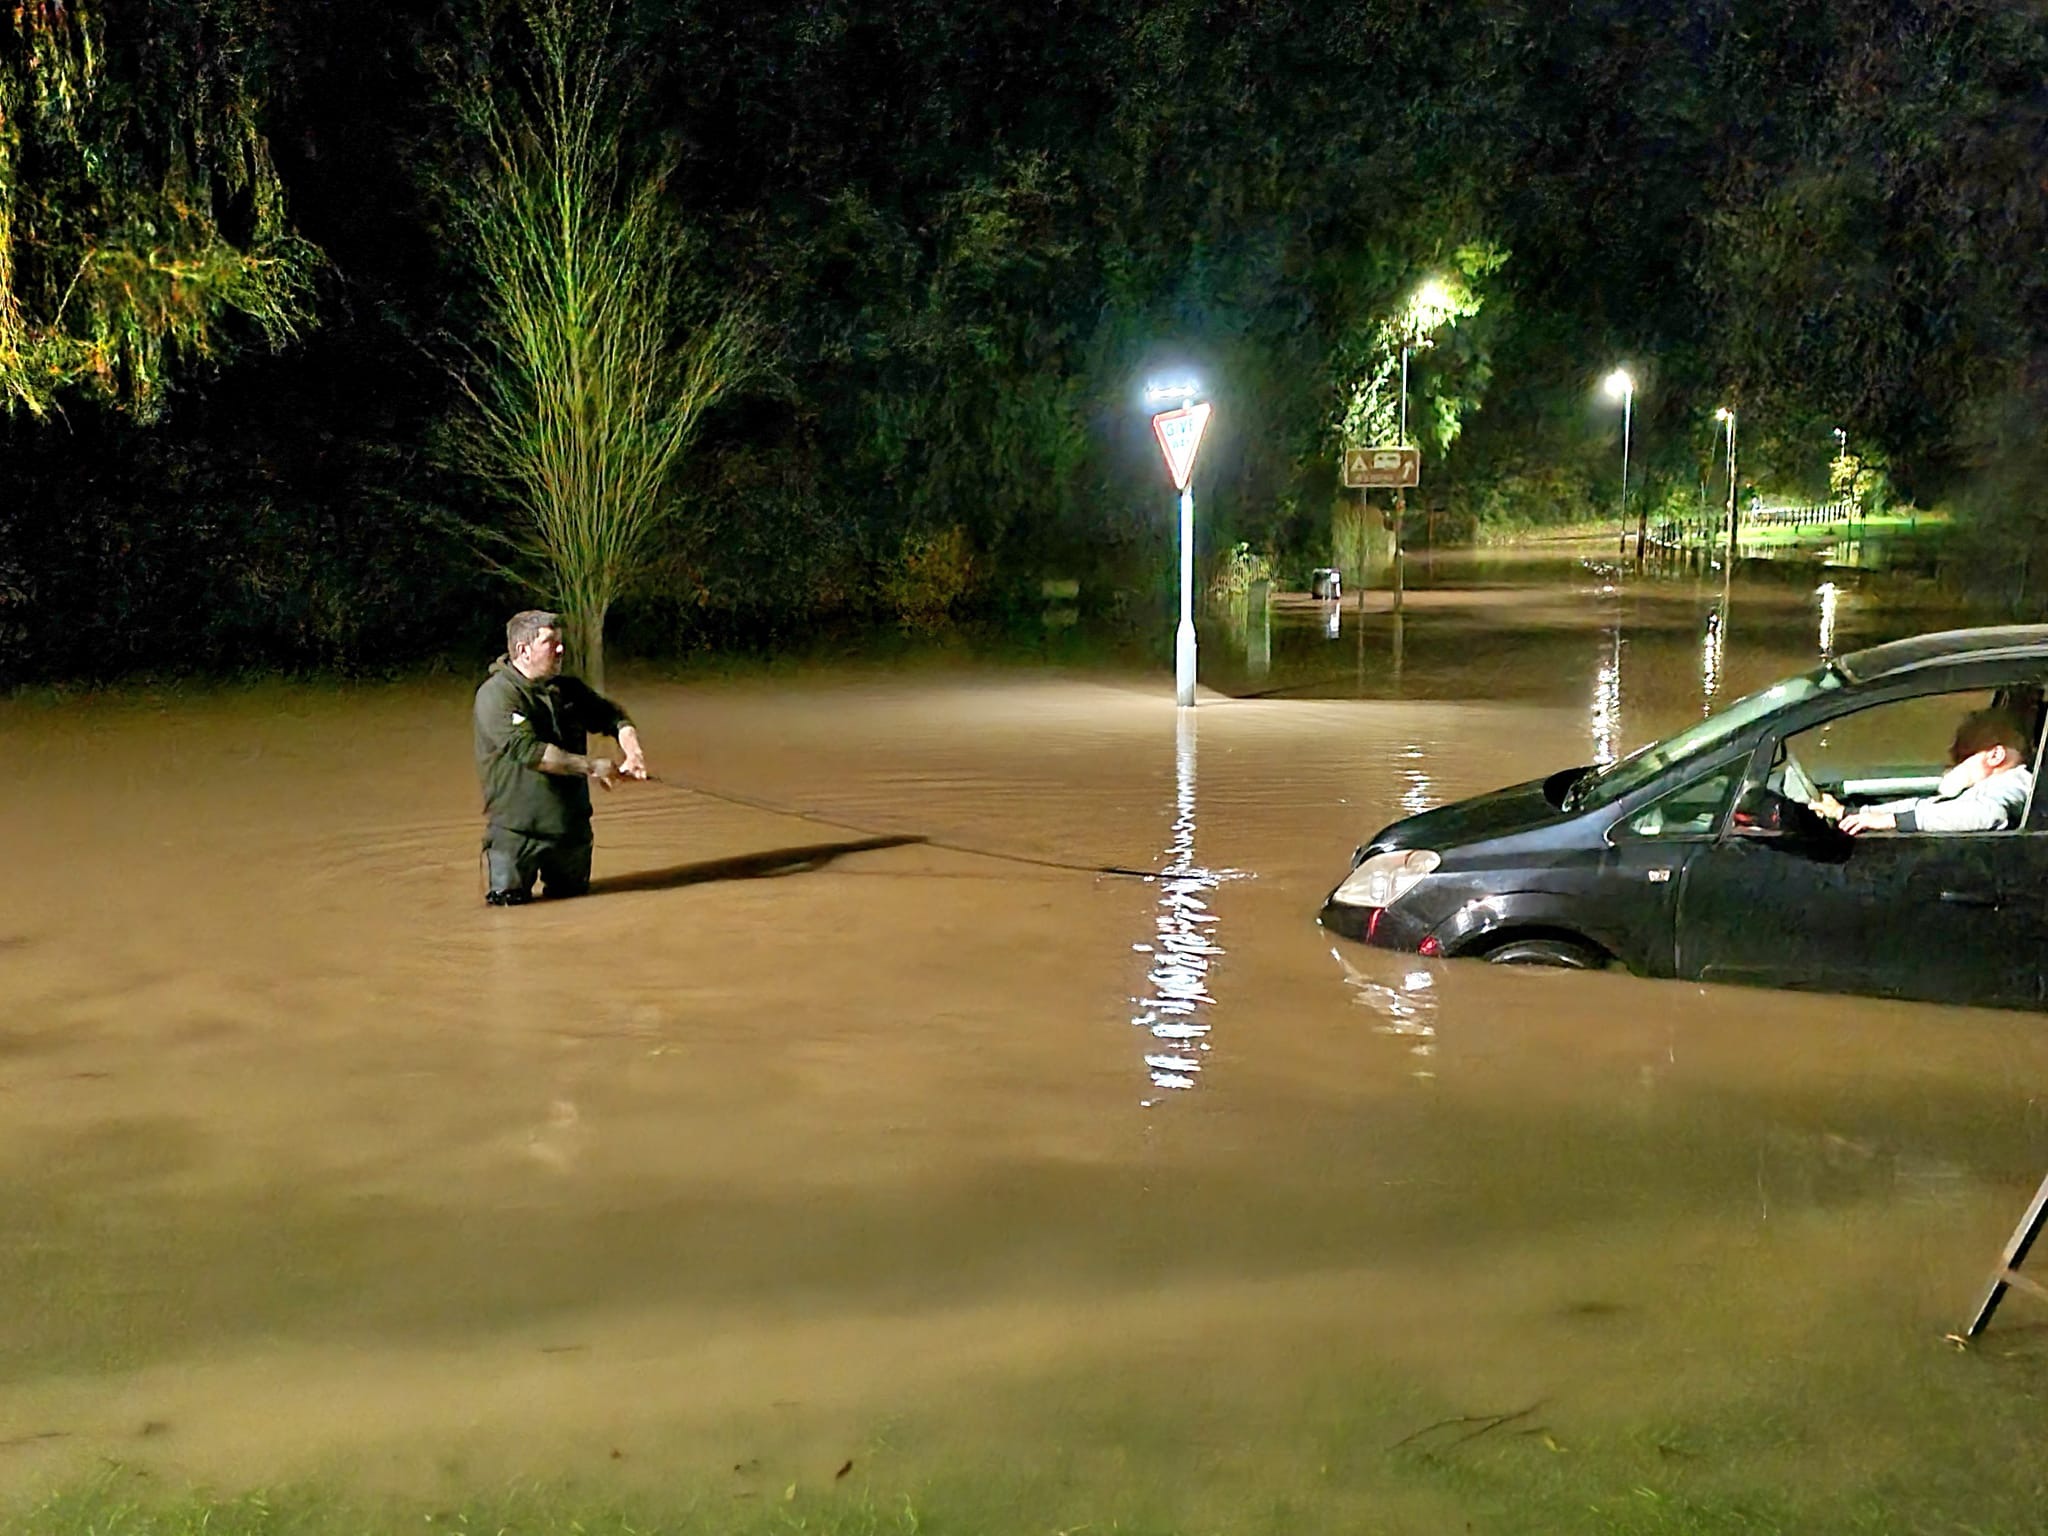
(1385, 878)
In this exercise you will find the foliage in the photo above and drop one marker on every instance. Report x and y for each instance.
(932, 571)
(140, 212)
(589, 380)
(1373, 411)
(1237, 570)
(977, 234)
(1860, 477)
(1525, 498)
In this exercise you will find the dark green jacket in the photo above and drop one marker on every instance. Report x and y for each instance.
(516, 720)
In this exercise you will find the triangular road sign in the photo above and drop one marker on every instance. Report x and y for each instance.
(1180, 439)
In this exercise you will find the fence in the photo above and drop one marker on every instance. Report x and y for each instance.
(1692, 532)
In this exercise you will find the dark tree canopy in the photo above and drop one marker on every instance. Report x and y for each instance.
(976, 227)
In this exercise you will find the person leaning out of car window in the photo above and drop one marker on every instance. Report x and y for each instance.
(1984, 790)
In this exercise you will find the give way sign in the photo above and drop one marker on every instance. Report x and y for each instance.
(1180, 439)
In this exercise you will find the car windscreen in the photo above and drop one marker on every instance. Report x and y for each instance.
(1609, 784)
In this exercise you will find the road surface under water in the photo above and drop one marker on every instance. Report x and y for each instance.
(1134, 1199)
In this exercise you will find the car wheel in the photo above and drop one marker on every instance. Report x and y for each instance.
(1564, 954)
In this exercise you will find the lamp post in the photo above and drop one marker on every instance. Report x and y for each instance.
(1841, 457)
(1726, 416)
(1179, 432)
(1620, 385)
(1426, 311)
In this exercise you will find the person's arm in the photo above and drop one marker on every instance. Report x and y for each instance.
(1989, 805)
(1986, 806)
(578, 765)
(635, 765)
(600, 716)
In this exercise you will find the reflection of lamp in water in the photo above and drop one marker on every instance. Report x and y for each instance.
(1607, 702)
(1183, 946)
(1710, 661)
(1416, 794)
(1828, 593)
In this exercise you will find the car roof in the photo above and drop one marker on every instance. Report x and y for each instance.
(2017, 642)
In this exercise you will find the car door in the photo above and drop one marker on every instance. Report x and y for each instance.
(1641, 873)
(1776, 912)
(1953, 917)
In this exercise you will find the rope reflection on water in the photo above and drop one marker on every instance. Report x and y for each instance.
(1184, 943)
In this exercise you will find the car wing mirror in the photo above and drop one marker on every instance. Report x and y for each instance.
(1761, 812)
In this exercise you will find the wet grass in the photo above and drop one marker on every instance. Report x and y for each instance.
(1512, 1489)
(1844, 1457)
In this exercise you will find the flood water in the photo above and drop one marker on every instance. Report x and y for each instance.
(1133, 1200)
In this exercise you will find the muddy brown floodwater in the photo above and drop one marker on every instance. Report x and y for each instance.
(1138, 1197)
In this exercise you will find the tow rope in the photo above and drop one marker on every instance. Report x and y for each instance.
(1122, 871)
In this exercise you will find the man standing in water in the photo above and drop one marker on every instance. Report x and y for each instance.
(532, 725)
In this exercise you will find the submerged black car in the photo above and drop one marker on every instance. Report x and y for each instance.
(1700, 856)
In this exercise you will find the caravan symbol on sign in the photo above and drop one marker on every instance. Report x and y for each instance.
(1376, 468)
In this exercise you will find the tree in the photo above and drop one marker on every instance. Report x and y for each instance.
(596, 359)
(140, 213)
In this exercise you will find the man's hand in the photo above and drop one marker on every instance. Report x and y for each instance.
(603, 772)
(635, 765)
(1829, 806)
(1870, 821)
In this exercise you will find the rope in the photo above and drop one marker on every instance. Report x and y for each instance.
(1123, 871)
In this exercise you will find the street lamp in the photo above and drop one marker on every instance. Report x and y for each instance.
(1179, 430)
(1726, 416)
(1430, 307)
(1621, 385)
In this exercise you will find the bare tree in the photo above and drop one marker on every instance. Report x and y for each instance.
(593, 367)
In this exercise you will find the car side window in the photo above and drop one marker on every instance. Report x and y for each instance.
(1691, 810)
(1878, 753)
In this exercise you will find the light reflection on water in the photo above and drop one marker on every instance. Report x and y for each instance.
(1416, 794)
(1607, 699)
(1712, 651)
(1405, 1010)
(1175, 1011)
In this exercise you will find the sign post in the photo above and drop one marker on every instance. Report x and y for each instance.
(1179, 432)
(1396, 469)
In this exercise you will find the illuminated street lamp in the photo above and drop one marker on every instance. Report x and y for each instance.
(1621, 385)
(1726, 415)
(1179, 431)
(1430, 307)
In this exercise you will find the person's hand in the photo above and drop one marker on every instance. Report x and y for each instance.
(1870, 821)
(604, 772)
(1829, 806)
(635, 765)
